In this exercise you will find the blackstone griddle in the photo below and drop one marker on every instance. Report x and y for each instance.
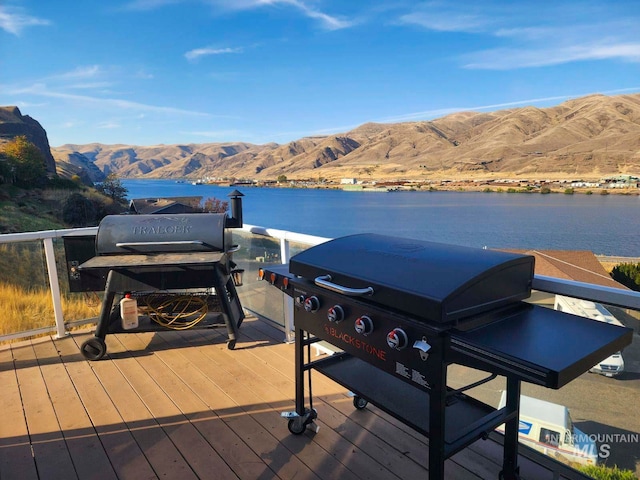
(166, 262)
(400, 311)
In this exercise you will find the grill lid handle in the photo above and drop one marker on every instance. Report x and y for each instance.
(324, 281)
(152, 244)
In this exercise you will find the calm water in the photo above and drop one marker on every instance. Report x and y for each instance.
(603, 224)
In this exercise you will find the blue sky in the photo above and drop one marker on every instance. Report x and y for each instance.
(147, 72)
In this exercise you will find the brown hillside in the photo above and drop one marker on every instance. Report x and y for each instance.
(589, 137)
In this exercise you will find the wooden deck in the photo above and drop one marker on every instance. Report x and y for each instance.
(180, 405)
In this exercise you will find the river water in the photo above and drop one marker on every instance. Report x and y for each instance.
(603, 224)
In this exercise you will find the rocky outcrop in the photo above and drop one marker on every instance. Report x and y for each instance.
(14, 124)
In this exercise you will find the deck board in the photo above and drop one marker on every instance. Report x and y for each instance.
(180, 405)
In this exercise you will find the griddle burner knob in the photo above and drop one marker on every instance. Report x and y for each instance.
(397, 339)
(311, 304)
(364, 325)
(335, 314)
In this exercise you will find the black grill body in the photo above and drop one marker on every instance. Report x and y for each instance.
(157, 259)
(401, 311)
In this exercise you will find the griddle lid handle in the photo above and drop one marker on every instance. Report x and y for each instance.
(324, 281)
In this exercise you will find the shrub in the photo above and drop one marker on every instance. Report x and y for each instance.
(545, 190)
(79, 211)
(600, 472)
(628, 274)
(569, 191)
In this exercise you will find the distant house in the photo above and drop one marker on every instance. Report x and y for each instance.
(165, 205)
(576, 265)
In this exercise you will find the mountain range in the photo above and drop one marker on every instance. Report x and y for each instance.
(587, 138)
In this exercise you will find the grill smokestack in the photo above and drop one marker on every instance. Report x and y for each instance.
(235, 221)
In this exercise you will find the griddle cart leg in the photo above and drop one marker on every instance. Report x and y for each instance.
(302, 417)
(510, 469)
(95, 348)
(437, 403)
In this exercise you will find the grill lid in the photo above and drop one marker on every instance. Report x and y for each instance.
(161, 233)
(436, 282)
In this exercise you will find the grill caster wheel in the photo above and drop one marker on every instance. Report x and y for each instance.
(359, 402)
(297, 425)
(231, 344)
(93, 348)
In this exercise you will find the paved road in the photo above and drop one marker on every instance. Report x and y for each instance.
(598, 405)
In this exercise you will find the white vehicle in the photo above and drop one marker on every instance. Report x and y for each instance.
(547, 427)
(612, 365)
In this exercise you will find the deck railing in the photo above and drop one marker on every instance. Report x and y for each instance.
(280, 251)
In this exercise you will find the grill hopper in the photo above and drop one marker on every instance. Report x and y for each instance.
(436, 282)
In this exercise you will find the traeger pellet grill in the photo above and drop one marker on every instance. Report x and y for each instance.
(177, 266)
(401, 311)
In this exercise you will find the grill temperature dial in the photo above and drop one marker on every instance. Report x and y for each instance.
(397, 339)
(335, 314)
(364, 325)
(311, 304)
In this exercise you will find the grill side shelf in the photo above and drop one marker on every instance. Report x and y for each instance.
(466, 419)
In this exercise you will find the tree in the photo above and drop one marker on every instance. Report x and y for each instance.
(24, 163)
(113, 188)
(281, 178)
(215, 205)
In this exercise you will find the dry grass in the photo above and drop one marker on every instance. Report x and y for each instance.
(28, 309)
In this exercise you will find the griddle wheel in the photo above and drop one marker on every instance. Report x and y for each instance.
(359, 402)
(297, 425)
(93, 348)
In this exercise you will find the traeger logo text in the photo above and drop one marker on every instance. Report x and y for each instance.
(355, 342)
(161, 229)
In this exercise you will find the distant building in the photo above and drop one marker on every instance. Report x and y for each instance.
(348, 181)
(165, 205)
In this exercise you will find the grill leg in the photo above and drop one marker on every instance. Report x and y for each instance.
(223, 296)
(107, 305)
(510, 469)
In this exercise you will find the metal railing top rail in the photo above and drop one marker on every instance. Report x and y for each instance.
(43, 234)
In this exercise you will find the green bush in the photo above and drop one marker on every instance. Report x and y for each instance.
(628, 274)
(569, 191)
(545, 190)
(600, 472)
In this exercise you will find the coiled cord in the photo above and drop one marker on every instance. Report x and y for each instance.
(179, 312)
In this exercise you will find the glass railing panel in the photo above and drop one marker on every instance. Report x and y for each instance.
(256, 251)
(24, 288)
(76, 306)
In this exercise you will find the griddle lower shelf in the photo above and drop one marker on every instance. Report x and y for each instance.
(463, 418)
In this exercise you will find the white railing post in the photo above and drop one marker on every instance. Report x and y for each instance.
(289, 333)
(55, 286)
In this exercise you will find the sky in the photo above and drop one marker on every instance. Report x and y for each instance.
(148, 72)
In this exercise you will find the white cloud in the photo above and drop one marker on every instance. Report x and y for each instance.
(510, 58)
(329, 22)
(13, 20)
(446, 22)
(201, 52)
(40, 89)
